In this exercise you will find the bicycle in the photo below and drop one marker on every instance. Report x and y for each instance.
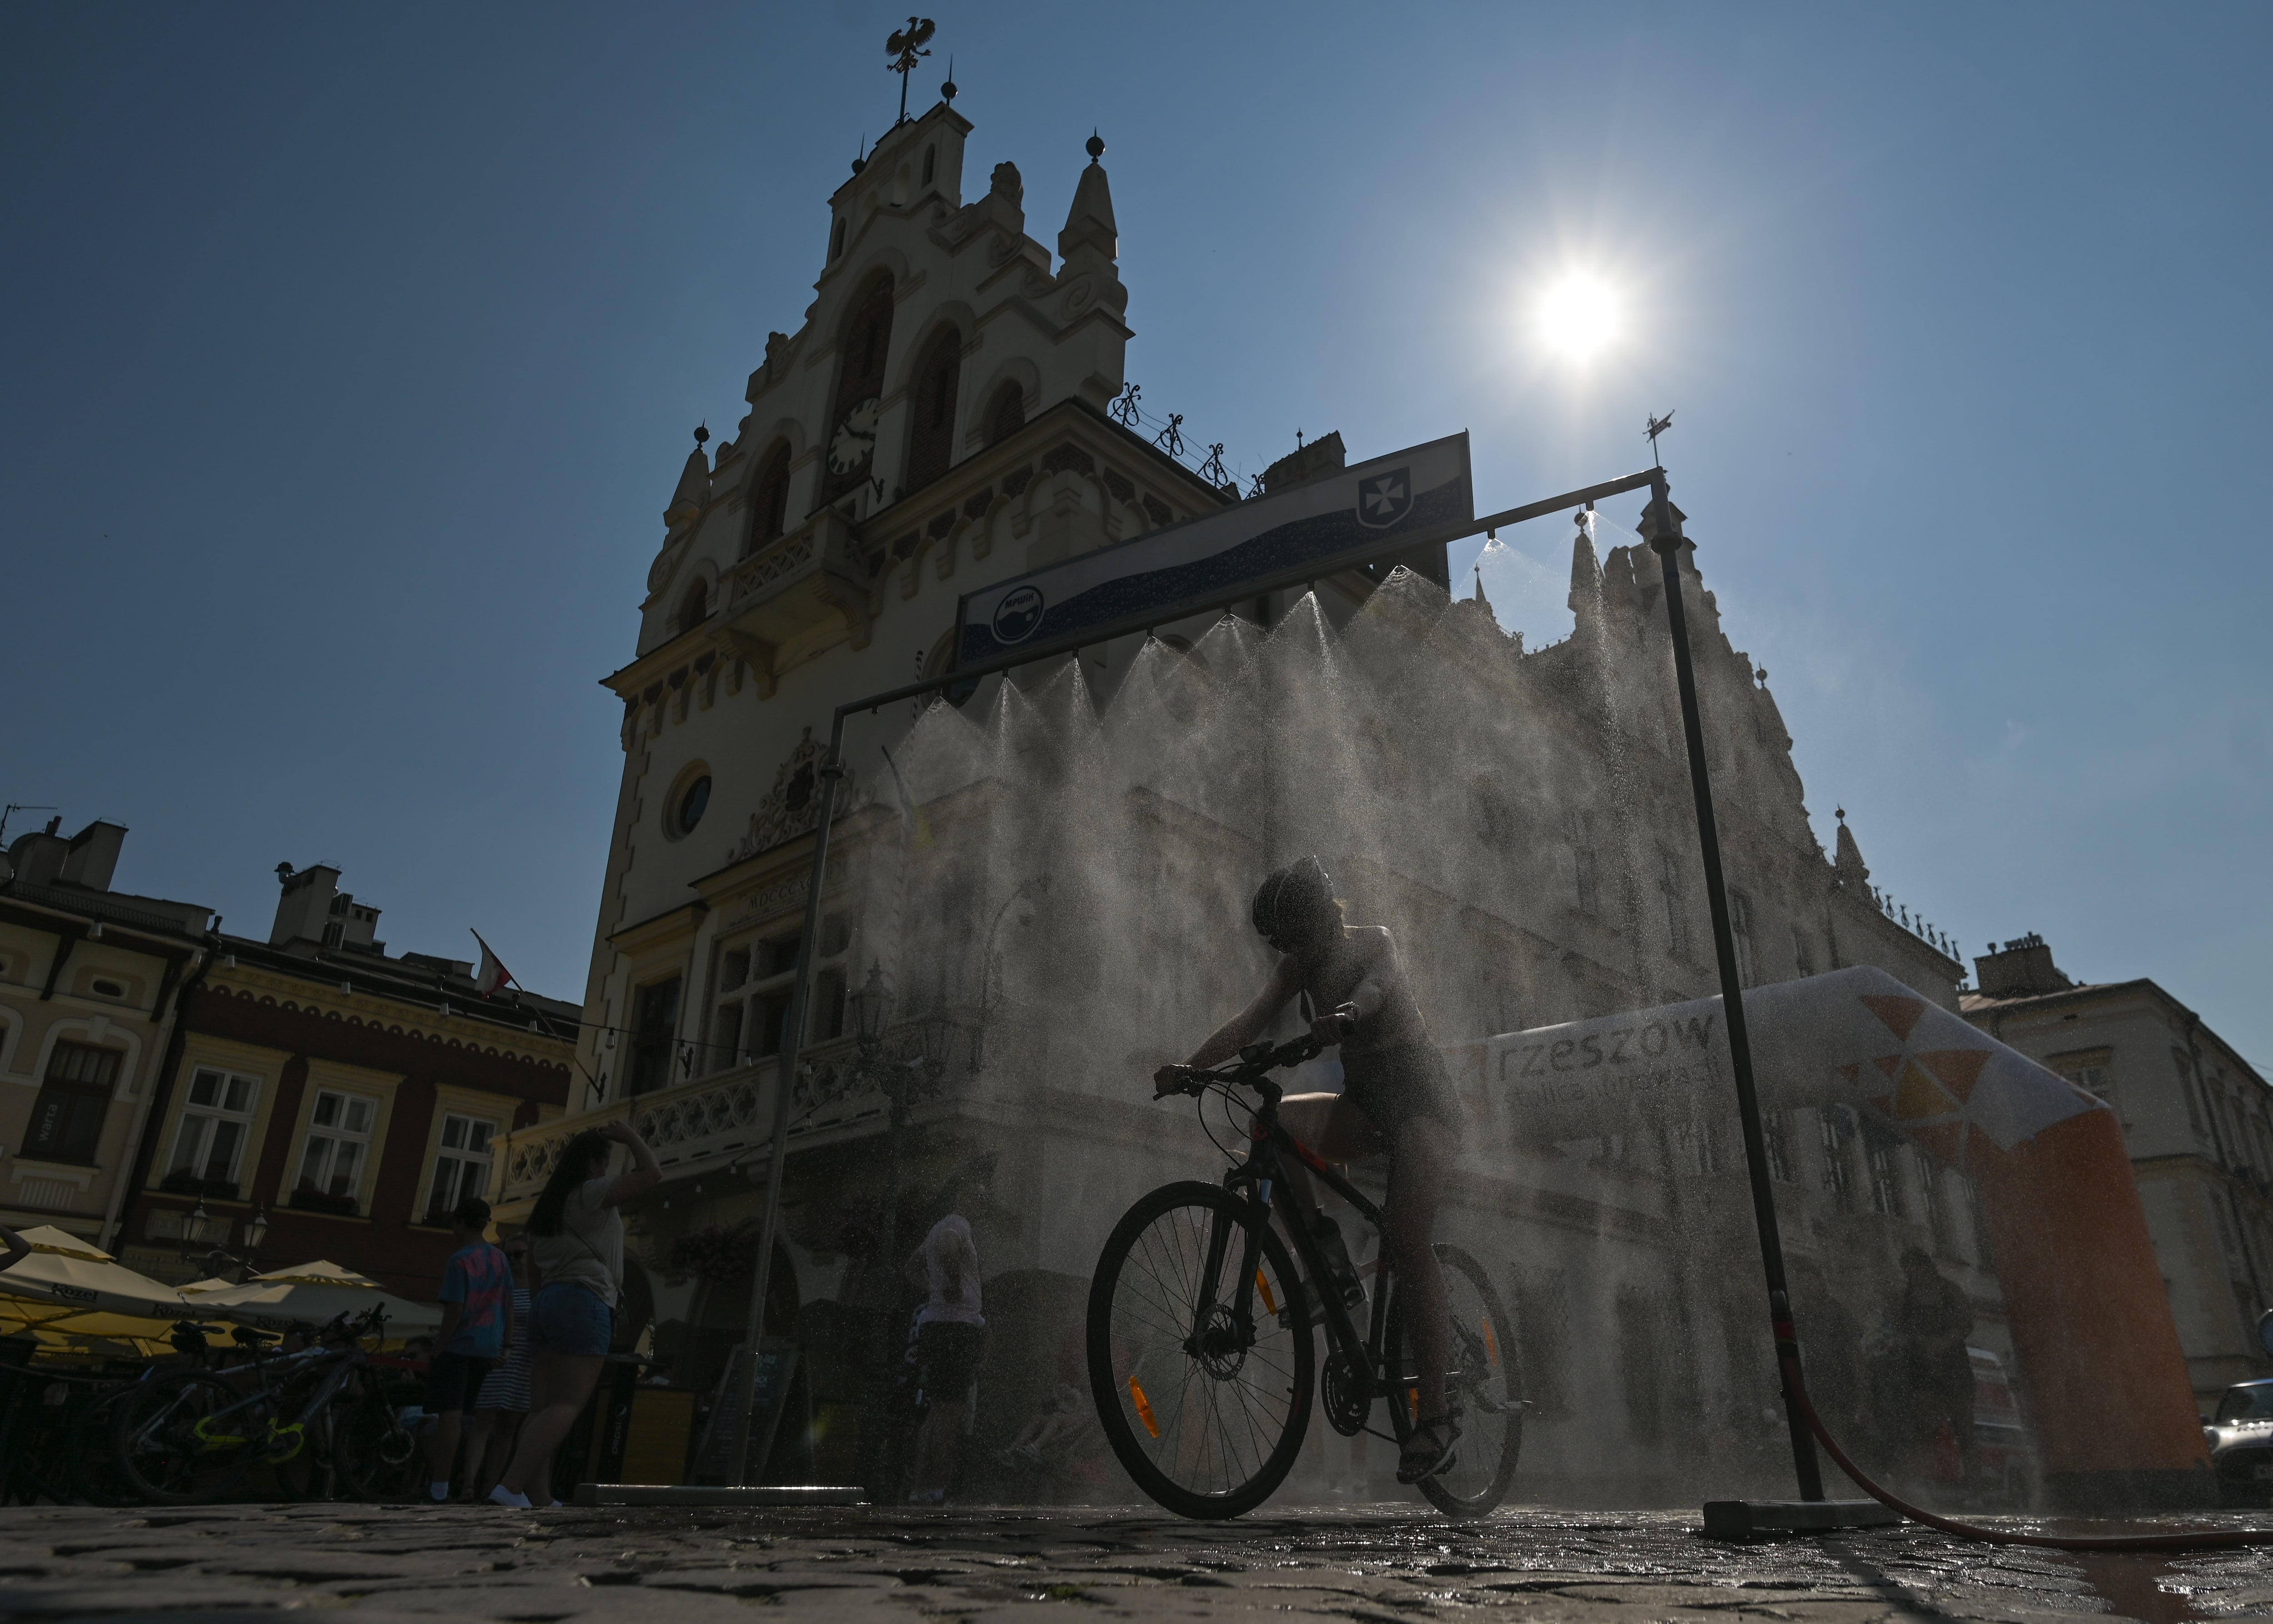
(1206, 1401)
(315, 1417)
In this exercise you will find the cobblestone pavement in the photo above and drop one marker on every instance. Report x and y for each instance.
(1385, 1565)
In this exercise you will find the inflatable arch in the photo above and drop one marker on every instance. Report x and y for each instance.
(2109, 1396)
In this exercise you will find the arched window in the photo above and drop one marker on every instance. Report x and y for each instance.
(1007, 414)
(837, 240)
(931, 161)
(694, 608)
(867, 340)
(769, 501)
(931, 443)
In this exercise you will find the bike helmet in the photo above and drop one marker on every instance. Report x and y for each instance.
(1291, 898)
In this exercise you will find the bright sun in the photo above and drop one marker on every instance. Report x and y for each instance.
(1578, 316)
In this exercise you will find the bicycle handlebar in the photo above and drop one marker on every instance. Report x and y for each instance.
(1256, 1062)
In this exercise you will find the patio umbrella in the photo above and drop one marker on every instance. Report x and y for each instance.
(310, 1294)
(66, 1277)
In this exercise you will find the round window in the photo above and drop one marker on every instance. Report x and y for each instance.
(692, 803)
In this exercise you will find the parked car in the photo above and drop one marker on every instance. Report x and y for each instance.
(2241, 1439)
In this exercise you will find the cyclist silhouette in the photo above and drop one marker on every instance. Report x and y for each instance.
(1397, 1098)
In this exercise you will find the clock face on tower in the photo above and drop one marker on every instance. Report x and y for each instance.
(855, 437)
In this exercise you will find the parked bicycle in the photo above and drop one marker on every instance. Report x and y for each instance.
(54, 1434)
(1201, 1359)
(319, 1418)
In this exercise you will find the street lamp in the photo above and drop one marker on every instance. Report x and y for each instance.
(256, 1228)
(872, 1008)
(1040, 882)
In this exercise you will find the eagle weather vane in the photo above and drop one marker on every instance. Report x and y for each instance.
(1657, 426)
(905, 45)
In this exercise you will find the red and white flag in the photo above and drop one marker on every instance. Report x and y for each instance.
(494, 977)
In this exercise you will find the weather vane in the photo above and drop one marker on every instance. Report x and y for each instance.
(1657, 426)
(905, 45)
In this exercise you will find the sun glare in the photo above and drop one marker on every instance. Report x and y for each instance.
(1578, 317)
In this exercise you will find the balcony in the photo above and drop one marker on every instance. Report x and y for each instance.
(711, 1122)
(813, 577)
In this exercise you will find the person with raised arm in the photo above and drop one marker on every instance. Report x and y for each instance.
(576, 1236)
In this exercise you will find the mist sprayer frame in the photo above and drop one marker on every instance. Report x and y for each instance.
(1660, 531)
(832, 770)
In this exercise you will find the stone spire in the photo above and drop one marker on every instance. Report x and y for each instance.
(686, 501)
(1586, 576)
(1848, 865)
(1480, 599)
(1090, 232)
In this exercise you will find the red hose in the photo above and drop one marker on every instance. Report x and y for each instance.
(2200, 1539)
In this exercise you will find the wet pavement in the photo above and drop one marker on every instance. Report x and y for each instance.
(1387, 1565)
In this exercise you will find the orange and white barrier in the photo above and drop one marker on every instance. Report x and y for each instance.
(2099, 1358)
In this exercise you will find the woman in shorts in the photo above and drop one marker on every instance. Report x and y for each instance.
(576, 1236)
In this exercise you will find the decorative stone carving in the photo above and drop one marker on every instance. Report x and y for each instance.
(793, 807)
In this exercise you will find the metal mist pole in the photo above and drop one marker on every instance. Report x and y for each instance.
(832, 769)
(1664, 537)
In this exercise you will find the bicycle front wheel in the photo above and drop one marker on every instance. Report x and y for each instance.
(1482, 1381)
(1200, 1357)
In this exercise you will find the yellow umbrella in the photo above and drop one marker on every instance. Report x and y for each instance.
(65, 1276)
(310, 1294)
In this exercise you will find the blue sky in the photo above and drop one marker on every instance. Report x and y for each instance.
(351, 356)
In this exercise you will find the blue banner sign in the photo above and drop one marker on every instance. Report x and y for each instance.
(1208, 558)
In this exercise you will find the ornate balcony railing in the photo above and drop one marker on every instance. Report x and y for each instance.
(728, 1116)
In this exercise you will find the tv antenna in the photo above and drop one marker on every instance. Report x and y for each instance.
(1657, 426)
(15, 807)
(905, 45)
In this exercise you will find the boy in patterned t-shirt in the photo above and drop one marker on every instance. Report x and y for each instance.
(477, 1299)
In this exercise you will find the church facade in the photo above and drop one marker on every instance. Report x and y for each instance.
(1014, 900)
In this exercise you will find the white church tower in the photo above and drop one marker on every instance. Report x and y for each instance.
(938, 421)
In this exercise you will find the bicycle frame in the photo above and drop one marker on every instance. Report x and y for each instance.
(1262, 1173)
(345, 1362)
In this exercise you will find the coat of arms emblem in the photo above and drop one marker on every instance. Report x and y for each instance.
(1383, 499)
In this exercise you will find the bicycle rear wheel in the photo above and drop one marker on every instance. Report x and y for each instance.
(180, 1439)
(1484, 1382)
(1200, 1357)
(372, 1450)
(94, 1467)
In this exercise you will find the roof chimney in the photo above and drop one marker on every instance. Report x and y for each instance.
(93, 855)
(2022, 968)
(305, 907)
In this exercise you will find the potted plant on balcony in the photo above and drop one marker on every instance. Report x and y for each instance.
(308, 1198)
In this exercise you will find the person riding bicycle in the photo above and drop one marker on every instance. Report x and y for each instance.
(1397, 1098)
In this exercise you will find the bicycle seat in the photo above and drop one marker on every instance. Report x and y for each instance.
(246, 1335)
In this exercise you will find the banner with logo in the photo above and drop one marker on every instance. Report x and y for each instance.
(1173, 572)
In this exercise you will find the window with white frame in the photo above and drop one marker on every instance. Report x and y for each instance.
(1676, 921)
(461, 1168)
(1740, 926)
(216, 1123)
(338, 1142)
(1838, 1176)
(1886, 1182)
(753, 980)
